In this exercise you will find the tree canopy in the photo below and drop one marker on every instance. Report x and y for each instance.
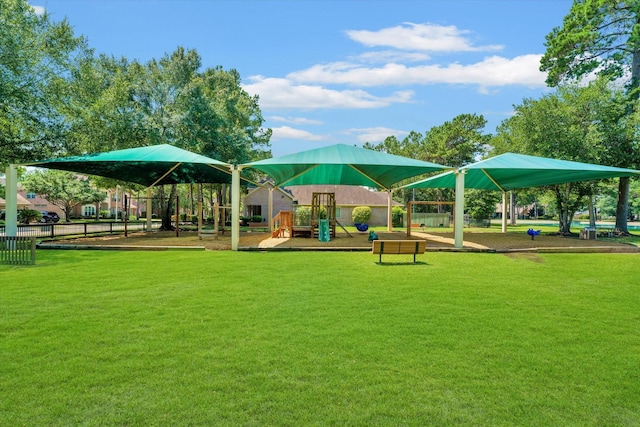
(600, 37)
(64, 189)
(578, 123)
(35, 57)
(57, 97)
(454, 143)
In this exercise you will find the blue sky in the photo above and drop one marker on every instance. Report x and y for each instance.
(333, 71)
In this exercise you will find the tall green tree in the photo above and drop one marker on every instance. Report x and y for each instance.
(121, 104)
(458, 142)
(603, 37)
(455, 143)
(35, 58)
(574, 123)
(205, 112)
(64, 189)
(100, 110)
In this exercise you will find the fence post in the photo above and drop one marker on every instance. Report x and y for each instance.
(33, 250)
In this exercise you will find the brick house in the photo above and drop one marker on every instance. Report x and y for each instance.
(256, 202)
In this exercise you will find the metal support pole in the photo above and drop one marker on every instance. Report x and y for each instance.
(409, 209)
(504, 211)
(126, 215)
(270, 209)
(199, 220)
(177, 216)
(458, 229)
(235, 207)
(11, 199)
(149, 207)
(389, 211)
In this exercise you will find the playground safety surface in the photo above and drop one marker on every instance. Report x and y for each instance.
(473, 242)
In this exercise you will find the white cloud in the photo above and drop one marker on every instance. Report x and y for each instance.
(420, 37)
(391, 56)
(294, 120)
(494, 71)
(315, 87)
(277, 93)
(39, 10)
(286, 132)
(375, 134)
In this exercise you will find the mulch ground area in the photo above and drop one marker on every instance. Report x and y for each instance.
(357, 241)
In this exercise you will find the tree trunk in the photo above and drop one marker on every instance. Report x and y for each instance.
(622, 207)
(592, 214)
(512, 208)
(193, 205)
(166, 209)
(564, 216)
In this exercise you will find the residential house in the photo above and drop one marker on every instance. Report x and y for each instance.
(39, 203)
(22, 203)
(256, 202)
(112, 203)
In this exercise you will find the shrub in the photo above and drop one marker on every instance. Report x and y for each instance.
(25, 216)
(397, 216)
(303, 216)
(361, 214)
(479, 204)
(256, 218)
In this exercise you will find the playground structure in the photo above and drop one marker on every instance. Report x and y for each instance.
(304, 220)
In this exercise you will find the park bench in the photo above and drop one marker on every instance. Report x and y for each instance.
(399, 247)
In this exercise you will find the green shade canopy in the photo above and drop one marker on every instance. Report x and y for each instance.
(342, 164)
(511, 171)
(152, 165)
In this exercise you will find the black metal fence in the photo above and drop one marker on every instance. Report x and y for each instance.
(19, 250)
(79, 228)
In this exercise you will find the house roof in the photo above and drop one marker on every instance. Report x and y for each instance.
(22, 202)
(265, 187)
(346, 195)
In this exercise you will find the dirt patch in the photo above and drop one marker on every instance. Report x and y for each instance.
(512, 240)
(528, 256)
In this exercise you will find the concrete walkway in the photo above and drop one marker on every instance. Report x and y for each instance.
(446, 240)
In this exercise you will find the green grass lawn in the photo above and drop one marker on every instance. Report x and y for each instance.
(315, 338)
